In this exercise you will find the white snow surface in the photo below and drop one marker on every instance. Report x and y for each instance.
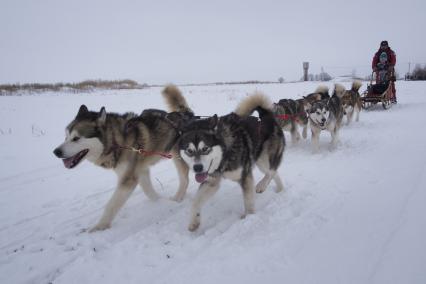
(355, 214)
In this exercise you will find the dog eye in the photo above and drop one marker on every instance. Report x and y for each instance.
(189, 151)
(75, 139)
(205, 149)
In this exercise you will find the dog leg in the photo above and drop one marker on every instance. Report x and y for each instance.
(121, 194)
(296, 129)
(146, 184)
(206, 190)
(315, 139)
(357, 114)
(349, 117)
(248, 193)
(264, 166)
(334, 137)
(264, 182)
(278, 182)
(305, 131)
(295, 136)
(183, 170)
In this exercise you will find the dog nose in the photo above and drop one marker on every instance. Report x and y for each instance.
(198, 168)
(57, 152)
(323, 119)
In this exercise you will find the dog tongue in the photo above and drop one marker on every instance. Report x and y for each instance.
(68, 162)
(201, 177)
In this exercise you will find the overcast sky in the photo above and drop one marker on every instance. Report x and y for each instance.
(202, 41)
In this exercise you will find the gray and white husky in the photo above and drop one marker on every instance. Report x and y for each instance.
(228, 147)
(351, 102)
(106, 139)
(290, 114)
(326, 114)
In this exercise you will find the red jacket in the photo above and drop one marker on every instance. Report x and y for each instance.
(391, 57)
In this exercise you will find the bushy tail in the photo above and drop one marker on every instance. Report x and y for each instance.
(356, 85)
(339, 90)
(175, 100)
(257, 101)
(322, 89)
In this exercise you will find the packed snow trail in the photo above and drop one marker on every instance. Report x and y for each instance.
(352, 215)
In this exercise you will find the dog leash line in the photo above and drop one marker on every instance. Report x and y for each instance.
(147, 153)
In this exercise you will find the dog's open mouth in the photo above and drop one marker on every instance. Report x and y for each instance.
(73, 161)
(201, 177)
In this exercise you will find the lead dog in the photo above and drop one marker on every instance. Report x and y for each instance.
(105, 139)
(229, 147)
(351, 102)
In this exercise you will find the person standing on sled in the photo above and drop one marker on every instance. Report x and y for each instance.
(384, 66)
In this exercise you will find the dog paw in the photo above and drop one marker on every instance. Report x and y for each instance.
(177, 198)
(279, 189)
(260, 187)
(193, 226)
(99, 227)
(251, 211)
(153, 196)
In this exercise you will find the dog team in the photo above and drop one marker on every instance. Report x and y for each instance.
(212, 148)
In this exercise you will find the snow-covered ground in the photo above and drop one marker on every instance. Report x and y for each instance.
(356, 214)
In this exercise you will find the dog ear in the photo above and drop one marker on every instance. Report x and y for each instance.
(212, 122)
(102, 116)
(175, 119)
(307, 106)
(274, 107)
(82, 111)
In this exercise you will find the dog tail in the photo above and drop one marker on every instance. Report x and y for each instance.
(322, 89)
(356, 85)
(339, 90)
(258, 102)
(175, 100)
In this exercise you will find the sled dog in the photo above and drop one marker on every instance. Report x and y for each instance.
(326, 114)
(351, 102)
(228, 147)
(321, 93)
(290, 114)
(106, 139)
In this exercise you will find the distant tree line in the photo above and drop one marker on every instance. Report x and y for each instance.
(419, 73)
(323, 76)
(87, 85)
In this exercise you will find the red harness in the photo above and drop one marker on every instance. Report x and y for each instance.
(290, 116)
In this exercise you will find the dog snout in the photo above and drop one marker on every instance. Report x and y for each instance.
(323, 119)
(58, 152)
(198, 168)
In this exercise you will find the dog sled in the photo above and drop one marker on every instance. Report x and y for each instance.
(383, 93)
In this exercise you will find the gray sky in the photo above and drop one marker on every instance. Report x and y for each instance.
(202, 41)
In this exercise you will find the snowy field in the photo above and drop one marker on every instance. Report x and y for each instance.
(356, 214)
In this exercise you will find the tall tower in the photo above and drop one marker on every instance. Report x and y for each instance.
(305, 71)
